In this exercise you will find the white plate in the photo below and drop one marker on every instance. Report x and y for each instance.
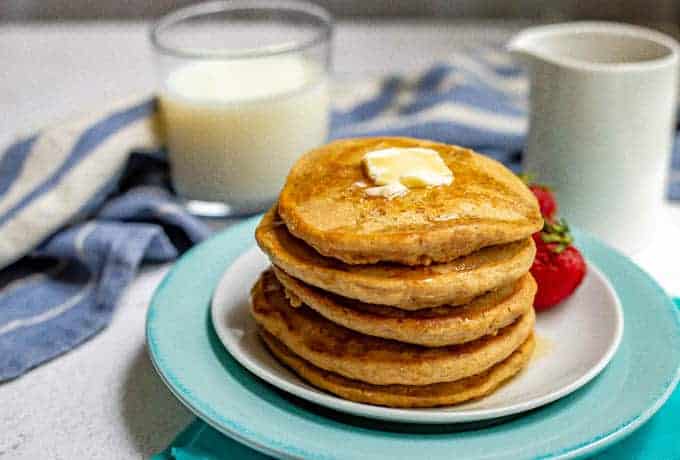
(576, 340)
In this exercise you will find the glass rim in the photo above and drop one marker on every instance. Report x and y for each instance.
(210, 7)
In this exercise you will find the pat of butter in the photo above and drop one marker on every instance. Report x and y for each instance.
(403, 168)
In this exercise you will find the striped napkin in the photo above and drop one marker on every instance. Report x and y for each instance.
(85, 202)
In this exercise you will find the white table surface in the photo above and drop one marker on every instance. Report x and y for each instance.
(103, 399)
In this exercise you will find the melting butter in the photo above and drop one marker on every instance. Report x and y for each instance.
(396, 170)
(544, 346)
(391, 190)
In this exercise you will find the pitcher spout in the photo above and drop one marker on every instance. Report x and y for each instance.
(524, 49)
(594, 46)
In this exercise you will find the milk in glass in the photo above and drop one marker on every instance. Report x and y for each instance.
(234, 128)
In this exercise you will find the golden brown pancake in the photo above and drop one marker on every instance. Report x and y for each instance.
(485, 205)
(372, 359)
(437, 394)
(432, 327)
(401, 286)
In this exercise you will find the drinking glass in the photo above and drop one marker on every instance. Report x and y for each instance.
(243, 92)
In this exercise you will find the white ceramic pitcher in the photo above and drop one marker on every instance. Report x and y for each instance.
(602, 101)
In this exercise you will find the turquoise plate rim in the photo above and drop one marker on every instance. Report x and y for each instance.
(238, 238)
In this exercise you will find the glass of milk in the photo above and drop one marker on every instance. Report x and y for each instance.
(243, 92)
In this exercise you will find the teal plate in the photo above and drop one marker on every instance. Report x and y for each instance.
(191, 360)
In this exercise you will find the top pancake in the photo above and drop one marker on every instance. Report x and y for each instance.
(485, 205)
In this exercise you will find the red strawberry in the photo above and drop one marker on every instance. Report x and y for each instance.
(558, 268)
(545, 197)
(546, 200)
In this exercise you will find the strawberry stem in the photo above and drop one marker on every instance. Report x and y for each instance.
(557, 233)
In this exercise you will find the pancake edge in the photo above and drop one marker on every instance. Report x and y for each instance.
(383, 371)
(401, 396)
(429, 332)
(450, 289)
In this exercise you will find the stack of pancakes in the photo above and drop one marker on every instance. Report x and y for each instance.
(416, 301)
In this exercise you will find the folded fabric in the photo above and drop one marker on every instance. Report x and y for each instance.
(199, 441)
(85, 202)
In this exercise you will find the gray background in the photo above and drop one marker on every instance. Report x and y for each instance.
(639, 11)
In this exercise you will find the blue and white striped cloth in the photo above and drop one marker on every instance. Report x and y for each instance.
(84, 203)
